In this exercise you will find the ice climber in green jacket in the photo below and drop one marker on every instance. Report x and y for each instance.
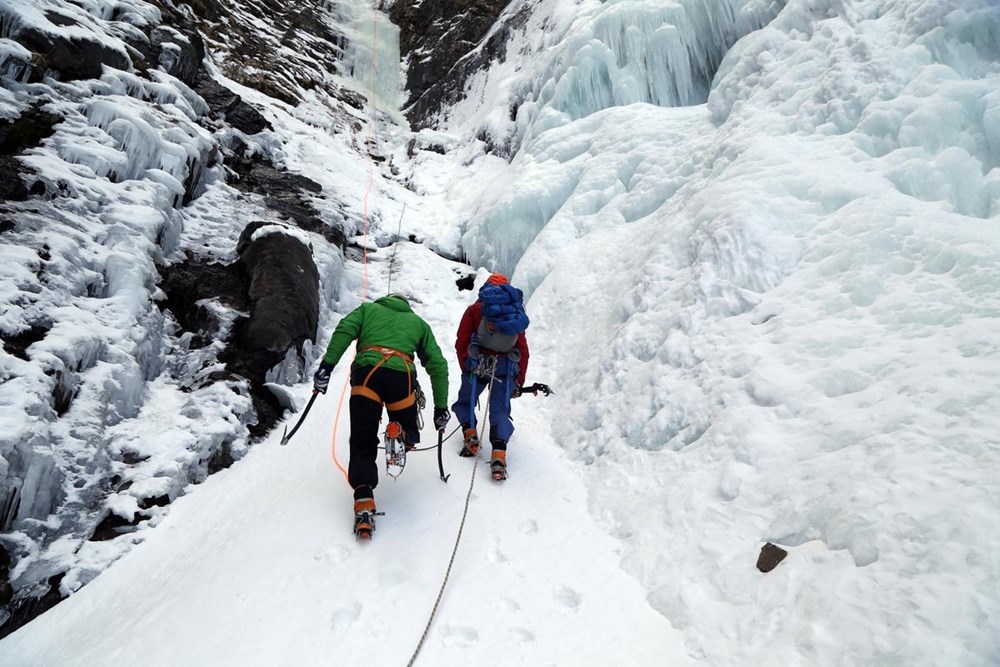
(388, 333)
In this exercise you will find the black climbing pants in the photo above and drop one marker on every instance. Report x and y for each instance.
(366, 417)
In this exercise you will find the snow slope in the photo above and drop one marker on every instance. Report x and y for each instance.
(259, 566)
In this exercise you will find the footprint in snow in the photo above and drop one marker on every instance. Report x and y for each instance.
(345, 616)
(335, 555)
(522, 634)
(494, 555)
(567, 597)
(393, 573)
(529, 527)
(459, 635)
(510, 605)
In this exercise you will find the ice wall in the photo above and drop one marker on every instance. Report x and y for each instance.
(371, 59)
(772, 315)
(572, 60)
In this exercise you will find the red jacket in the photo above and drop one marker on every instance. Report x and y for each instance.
(470, 324)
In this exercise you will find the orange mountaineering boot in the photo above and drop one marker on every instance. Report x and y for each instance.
(470, 445)
(498, 465)
(364, 518)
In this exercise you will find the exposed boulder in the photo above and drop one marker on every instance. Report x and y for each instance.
(272, 291)
(466, 282)
(770, 556)
(283, 294)
(25, 608)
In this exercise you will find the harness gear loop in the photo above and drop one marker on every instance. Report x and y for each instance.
(487, 366)
(364, 390)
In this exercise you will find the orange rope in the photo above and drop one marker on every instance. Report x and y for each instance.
(336, 423)
(364, 222)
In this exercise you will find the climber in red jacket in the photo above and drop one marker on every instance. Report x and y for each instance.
(492, 352)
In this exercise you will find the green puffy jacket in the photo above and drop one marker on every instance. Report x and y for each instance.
(390, 322)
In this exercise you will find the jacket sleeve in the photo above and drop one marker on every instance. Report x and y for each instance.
(522, 347)
(347, 330)
(468, 326)
(436, 366)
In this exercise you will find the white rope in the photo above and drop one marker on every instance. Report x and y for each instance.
(458, 538)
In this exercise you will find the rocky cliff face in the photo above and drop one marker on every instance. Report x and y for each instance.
(160, 261)
(443, 43)
(129, 165)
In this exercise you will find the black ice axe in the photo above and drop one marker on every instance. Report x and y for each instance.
(535, 388)
(444, 477)
(286, 436)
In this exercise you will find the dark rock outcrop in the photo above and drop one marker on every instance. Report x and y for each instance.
(26, 131)
(25, 608)
(15, 137)
(770, 556)
(283, 295)
(444, 43)
(188, 283)
(278, 48)
(6, 590)
(179, 52)
(286, 193)
(226, 105)
(11, 185)
(68, 58)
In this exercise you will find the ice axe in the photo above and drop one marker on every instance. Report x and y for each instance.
(535, 388)
(286, 436)
(444, 477)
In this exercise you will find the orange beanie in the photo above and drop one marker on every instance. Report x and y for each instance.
(497, 279)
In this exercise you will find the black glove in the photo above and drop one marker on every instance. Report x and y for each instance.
(321, 380)
(517, 390)
(441, 417)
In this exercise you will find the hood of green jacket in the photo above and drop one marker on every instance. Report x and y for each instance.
(395, 302)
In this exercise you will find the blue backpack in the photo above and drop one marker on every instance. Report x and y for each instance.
(503, 317)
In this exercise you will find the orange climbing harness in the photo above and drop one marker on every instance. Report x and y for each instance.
(364, 390)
